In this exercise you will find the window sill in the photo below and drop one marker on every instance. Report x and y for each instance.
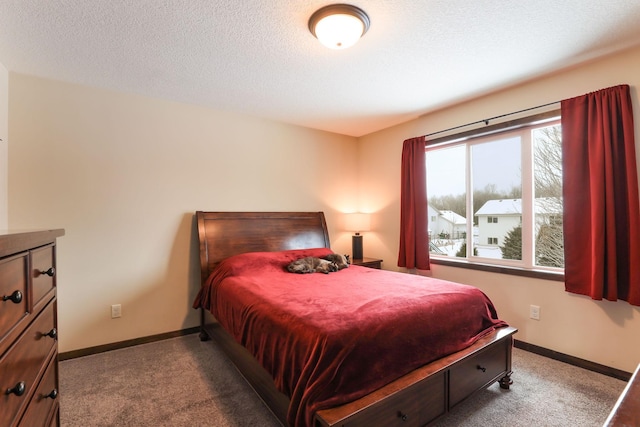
(536, 274)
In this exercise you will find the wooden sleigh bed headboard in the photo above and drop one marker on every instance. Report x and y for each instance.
(223, 234)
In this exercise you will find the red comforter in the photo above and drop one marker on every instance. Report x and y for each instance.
(328, 339)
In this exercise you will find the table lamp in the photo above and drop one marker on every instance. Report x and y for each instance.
(357, 222)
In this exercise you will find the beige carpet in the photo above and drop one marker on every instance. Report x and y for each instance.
(185, 382)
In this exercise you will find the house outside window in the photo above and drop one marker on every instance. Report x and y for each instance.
(507, 185)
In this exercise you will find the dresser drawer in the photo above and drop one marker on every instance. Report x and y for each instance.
(24, 363)
(13, 291)
(44, 401)
(414, 406)
(43, 273)
(479, 370)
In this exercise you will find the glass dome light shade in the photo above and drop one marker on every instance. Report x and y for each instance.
(339, 26)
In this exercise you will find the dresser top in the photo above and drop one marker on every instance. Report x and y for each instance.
(13, 241)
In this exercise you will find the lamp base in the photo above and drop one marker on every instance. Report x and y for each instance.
(356, 246)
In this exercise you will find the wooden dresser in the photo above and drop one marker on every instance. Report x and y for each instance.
(28, 329)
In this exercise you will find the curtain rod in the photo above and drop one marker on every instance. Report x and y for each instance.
(486, 121)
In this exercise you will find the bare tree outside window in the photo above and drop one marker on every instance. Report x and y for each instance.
(547, 146)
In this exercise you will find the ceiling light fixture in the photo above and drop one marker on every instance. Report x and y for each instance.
(339, 26)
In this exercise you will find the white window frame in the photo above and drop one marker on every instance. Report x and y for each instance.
(524, 131)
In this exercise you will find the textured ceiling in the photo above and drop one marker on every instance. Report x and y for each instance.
(257, 57)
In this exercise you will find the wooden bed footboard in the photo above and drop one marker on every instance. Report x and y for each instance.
(429, 392)
(415, 399)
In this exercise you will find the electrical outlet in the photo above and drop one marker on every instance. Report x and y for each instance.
(534, 312)
(116, 311)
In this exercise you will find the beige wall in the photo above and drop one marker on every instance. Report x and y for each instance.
(4, 144)
(124, 174)
(602, 332)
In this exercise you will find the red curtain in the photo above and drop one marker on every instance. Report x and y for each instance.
(414, 238)
(601, 206)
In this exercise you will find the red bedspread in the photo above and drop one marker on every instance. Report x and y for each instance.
(328, 339)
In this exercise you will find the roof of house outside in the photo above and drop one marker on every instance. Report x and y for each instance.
(501, 207)
(544, 205)
(453, 217)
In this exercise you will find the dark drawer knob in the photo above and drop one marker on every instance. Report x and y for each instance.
(15, 297)
(18, 390)
(53, 394)
(50, 272)
(402, 416)
(53, 333)
(482, 368)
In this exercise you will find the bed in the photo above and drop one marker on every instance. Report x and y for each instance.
(294, 339)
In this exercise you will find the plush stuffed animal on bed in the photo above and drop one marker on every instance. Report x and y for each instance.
(327, 264)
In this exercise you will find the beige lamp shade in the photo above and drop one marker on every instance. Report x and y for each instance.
(357, 222)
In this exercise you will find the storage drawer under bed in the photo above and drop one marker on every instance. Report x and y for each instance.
(478, 371)
(416, 405)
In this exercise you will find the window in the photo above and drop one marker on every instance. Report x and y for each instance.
(510, 172)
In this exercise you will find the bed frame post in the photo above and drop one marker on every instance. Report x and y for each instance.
(203, 334)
